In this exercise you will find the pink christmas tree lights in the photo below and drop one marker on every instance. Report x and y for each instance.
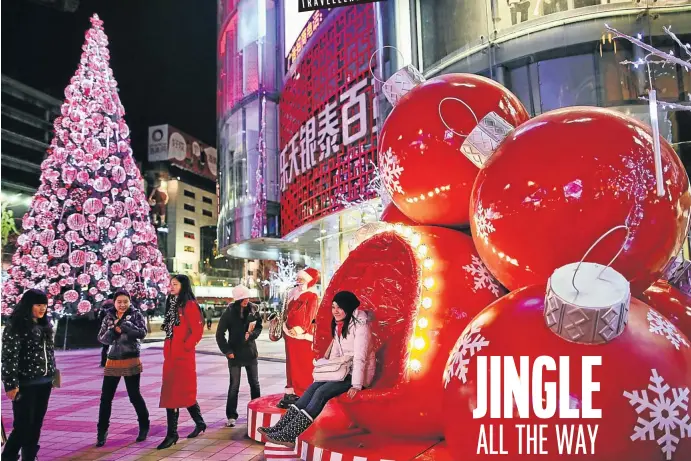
(88, 231)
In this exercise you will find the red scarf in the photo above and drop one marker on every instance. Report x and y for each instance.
(339, 328)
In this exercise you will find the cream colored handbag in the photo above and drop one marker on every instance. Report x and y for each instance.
(332, 370)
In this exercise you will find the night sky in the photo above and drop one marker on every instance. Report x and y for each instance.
(163, 55)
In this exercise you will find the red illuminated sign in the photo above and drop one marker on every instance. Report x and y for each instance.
(328, 114)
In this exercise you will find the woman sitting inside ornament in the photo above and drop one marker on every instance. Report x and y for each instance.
(348, 366)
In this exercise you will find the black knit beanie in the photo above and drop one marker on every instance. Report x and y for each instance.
(34, 296)
(346, 301)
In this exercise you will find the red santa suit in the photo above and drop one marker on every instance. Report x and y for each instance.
(301, 310)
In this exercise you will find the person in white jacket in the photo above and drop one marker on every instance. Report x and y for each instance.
(350, 329)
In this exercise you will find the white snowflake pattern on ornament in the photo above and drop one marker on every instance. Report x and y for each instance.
(482, 276)
(483, 221)
(391, 171)
(663, 414)
(465, 348)
(663, 327)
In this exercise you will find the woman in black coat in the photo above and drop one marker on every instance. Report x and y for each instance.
(122, 330)
(28, 369)
(243, 323)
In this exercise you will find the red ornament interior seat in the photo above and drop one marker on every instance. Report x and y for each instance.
(384, 274)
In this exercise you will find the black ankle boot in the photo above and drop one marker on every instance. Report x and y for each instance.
(287, 401)
(200, 425)
(101, 437)
(172, 434)
(143, 431)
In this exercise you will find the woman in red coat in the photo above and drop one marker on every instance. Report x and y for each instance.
(184, 329)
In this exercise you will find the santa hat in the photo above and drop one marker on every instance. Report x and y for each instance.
(310, 275)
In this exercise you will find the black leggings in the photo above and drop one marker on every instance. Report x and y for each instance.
(29, 408)
(110, 385)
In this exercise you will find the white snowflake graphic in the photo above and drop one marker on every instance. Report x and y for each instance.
(664, 414)
(483, 278)
(391, 171)
(663, 327)
(466, 347)
(483, 221)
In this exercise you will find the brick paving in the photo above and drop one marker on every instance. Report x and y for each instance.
(69, 431)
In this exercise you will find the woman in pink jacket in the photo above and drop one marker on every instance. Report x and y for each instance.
(351, 333)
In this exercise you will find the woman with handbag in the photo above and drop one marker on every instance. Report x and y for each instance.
(348, 366)
(184, 329)
(122, 330)
(28, 372)
(243, 325)
(105, 307)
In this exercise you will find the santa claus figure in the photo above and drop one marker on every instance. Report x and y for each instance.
(298, 332)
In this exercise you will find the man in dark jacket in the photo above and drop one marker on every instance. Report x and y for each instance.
(242, 321)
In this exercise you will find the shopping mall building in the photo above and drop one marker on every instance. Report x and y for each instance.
(299, 108)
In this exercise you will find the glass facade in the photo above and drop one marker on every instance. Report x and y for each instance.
(557, 53)
(452, 28)
(247, 114)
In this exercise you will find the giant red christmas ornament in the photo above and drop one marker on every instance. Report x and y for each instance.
(674, 304)
(422, 285)
(604, 367)
(393, 215)
(437, 137)
(564, 178)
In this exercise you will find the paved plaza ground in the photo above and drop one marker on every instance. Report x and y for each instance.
(69, 431)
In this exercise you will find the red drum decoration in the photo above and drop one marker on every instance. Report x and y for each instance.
(424, 139)
(564, 178)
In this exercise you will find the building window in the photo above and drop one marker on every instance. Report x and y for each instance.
(567, 81)
(188, 193)
(189, 235)
(207, 200)
(207, 213)
(189, 221)
(187, 266)
(189, 207)
(189, 249)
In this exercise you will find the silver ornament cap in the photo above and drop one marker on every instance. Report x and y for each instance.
(481, 143)
(587, 303)
(401, 82)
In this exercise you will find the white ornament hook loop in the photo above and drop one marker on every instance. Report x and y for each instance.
(371, 70)
(628, 233)
(447, 125)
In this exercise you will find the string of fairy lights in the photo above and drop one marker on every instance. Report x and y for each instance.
(420, 339)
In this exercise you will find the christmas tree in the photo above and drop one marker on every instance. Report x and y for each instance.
(88, 231)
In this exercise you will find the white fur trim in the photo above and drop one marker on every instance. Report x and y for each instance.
(305, 275)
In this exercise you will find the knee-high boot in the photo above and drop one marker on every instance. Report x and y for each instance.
(172, 434)
(200, 425)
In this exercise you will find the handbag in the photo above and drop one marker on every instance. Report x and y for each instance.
(57, 379)
(336, 369)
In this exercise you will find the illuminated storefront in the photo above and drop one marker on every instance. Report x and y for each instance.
(328, 132)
